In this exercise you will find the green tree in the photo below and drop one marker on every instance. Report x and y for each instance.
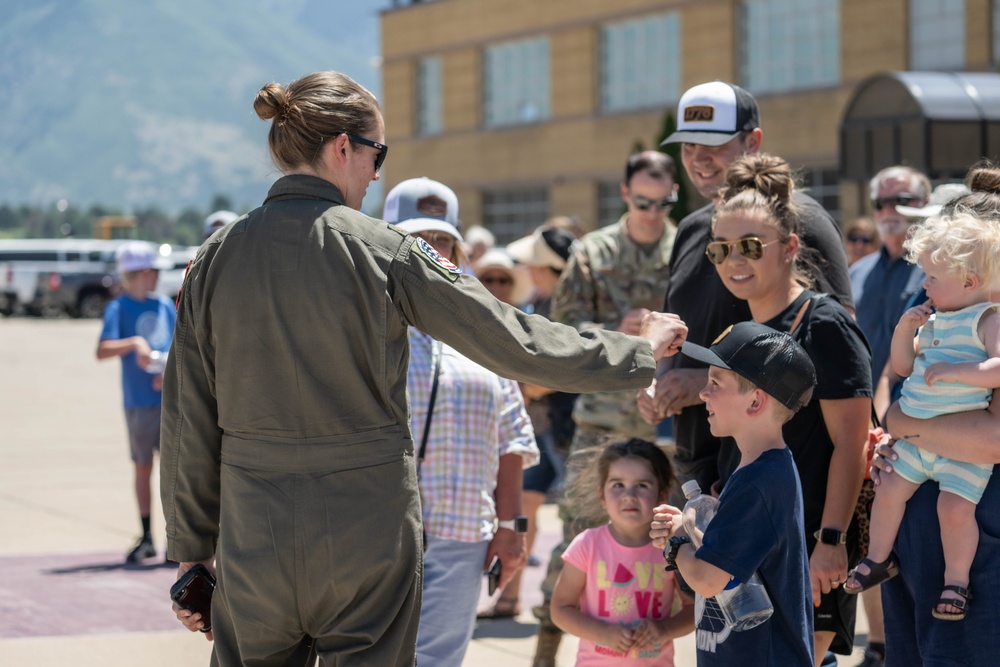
(221, 203)
(682, 207)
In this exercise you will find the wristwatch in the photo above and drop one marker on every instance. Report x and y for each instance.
(670, 553)
(518, 524)
(830, 536)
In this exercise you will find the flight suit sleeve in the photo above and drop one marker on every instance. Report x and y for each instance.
(190, 439)
(457, 310)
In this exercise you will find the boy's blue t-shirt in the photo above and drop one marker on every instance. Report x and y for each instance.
(758, 528)
(153, 319)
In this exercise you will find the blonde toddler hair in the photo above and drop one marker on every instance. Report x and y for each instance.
(961, 241)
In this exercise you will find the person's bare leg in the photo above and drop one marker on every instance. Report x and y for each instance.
(143, 495)
(821, 644)
(960, 539)
(872, 599)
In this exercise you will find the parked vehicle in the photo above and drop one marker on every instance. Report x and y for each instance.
(171, 279)
(54, 276)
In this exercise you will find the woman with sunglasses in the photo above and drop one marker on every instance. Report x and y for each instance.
(287, 459)
(860, 239)
(756, 251)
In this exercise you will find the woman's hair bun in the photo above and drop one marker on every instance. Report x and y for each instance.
(767, 174)
(272, 101)
(984, 177)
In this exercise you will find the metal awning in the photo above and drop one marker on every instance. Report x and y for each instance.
(938, 122)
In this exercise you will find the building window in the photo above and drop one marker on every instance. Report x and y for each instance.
(996, 31)
(429, 95)
(823, 185)
(640, 63)
(937, 34)
(610, 206)
(789, 44)
(511, 214)
(516, 82)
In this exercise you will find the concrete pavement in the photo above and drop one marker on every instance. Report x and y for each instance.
(68, 516)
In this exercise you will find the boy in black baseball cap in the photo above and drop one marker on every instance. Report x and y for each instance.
(758, 378)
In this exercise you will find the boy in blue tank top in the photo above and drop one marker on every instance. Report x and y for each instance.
(948, 349)
(757, 379)
(138, 327)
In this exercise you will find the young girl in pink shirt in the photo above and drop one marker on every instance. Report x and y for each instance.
(613, 592)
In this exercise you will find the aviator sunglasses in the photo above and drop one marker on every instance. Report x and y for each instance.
(879, 203)
(750, 247)
(644, 203)
(382, 148)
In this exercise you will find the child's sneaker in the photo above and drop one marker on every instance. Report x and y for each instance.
(143, 550)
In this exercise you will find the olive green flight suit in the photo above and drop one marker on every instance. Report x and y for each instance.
(286, 450)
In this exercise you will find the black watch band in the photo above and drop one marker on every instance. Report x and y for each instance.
(518, 524)
(670, 553)
(830, 536)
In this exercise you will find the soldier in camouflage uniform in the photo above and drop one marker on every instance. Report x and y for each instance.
(615, 276)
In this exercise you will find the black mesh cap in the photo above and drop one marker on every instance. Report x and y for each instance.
(770, 359)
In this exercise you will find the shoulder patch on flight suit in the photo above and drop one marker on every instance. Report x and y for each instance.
(437, 260)
(399, 230)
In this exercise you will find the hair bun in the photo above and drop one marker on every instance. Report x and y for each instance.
(984, 177)
(272, 101)
(767, 174)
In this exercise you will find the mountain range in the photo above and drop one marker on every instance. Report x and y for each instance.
(133, 104)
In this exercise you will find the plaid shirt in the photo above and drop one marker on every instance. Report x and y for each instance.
(478, 417)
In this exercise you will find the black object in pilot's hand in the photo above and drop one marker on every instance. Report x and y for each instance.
(193, 591)
(493, 576)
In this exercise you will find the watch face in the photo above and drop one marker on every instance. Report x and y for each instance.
(830, 536)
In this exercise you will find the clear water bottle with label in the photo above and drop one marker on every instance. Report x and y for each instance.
(744, 605)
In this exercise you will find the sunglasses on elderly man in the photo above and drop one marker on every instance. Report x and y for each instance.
(879, 203)
(383, 150)
(750, 247)
(644, 203)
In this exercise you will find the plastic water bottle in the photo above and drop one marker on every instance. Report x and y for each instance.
(698, 511)
(744, 605)
(157, 362)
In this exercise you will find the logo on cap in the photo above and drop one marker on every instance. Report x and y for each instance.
(432, 206)
(722, 335)
(699, 114)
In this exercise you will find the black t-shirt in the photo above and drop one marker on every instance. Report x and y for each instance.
(697, 294)
(840, 353)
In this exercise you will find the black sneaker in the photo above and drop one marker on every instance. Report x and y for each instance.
(143, 550)
(872, 659)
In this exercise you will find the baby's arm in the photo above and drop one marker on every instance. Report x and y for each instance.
(567, 615)
(903, 349)
(984, 374)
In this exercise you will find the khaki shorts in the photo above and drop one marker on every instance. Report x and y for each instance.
(143, 433)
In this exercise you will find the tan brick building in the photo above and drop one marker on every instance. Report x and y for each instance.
(528, 108)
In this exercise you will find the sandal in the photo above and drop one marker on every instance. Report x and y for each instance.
(877, 573)
(504, 608)
(961, 603)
